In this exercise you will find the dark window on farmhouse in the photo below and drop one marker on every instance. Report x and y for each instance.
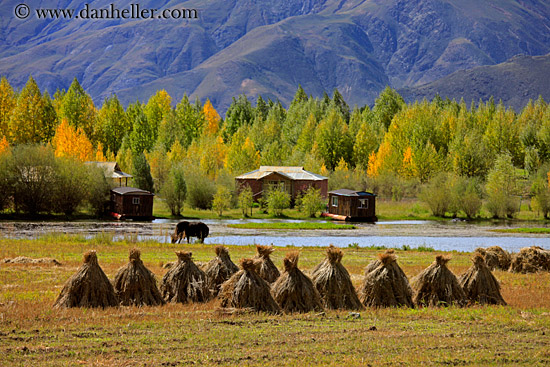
(135, 201)
(335, 201)
(363, 203)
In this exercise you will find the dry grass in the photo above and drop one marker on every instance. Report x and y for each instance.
(34, 334)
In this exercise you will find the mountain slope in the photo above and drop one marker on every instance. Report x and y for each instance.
(515, 82)
(269, 47)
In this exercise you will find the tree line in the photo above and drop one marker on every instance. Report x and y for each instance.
(484, 151)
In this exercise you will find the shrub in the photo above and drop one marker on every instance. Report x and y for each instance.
(71, 182)
(436, 194)
(502, 188)
(541, 196)
(277, 201)
(311, 201)
(174, 190)
(222, 200)
(200, 190)
(246, 200)
(32, 169)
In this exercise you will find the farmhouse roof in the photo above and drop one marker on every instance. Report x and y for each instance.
(130, 190)
(346, 192)
(112, 170)
(293, 173)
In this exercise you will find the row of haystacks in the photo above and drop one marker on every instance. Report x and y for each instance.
(260, 287)
(528, 260)
(386, 285)
(134, 284)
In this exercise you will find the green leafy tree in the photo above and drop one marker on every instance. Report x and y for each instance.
(174, 190)
(222, 200)
(311, 201)
(33, 118)
(7, 104)
(502, 188)
(112, 125)
(437, 194)
(388, 103)
(246, 201)
(333, 140)
(240, 113)
(142, 137)
(156, 108)
(200, 190)
(277, 201)
(190, 120)
(98, 189)
(77, 107)
(142, 173)
(69, 190)
(33, 171)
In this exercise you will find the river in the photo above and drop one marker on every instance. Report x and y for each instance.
(440, 235)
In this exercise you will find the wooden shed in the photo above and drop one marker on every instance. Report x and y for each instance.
(359, 206)
(131, 203)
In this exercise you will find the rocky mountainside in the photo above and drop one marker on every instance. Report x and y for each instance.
(265, 47)
(515, 82)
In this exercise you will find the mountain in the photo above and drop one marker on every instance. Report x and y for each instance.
(515, 82)
(268, 47)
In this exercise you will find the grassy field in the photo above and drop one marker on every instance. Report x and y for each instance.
(523, 230)
(407, 209)
(34, 334)
(295, 226)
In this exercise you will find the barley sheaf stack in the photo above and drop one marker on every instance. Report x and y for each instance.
(386, 285)
(437, 285)
(135, 285)
(293, 290)
(88, 287)
(480, 285)
(219, 269)
(531, 260)
(333, 282)
(246, 289)
(266, 269)
(495, 257)
(184, 282)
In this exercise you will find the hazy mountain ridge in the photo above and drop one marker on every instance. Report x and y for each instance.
(270, 47)
(515, 82)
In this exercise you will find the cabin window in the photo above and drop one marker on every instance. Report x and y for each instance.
(135, 201)
(335, 201)
(363, 203)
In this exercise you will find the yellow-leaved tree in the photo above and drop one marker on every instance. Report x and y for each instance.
(212, 119)
(71, 142)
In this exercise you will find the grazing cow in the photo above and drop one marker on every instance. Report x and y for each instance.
(187, 229)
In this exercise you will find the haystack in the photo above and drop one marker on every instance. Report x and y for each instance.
(266, 269)
(437, 285)
(386, 285)
(135, 284)
(88, 287)
(376, 263)
(293, 290)
(495, 257)
(531, 260)
(246, 289)
(480, 285)
(333, 282)
(184, 282)
(219, 269)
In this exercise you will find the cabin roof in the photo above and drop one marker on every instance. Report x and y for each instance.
(346, 192)
(130, 191)
(292, 173)
(111, 169)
